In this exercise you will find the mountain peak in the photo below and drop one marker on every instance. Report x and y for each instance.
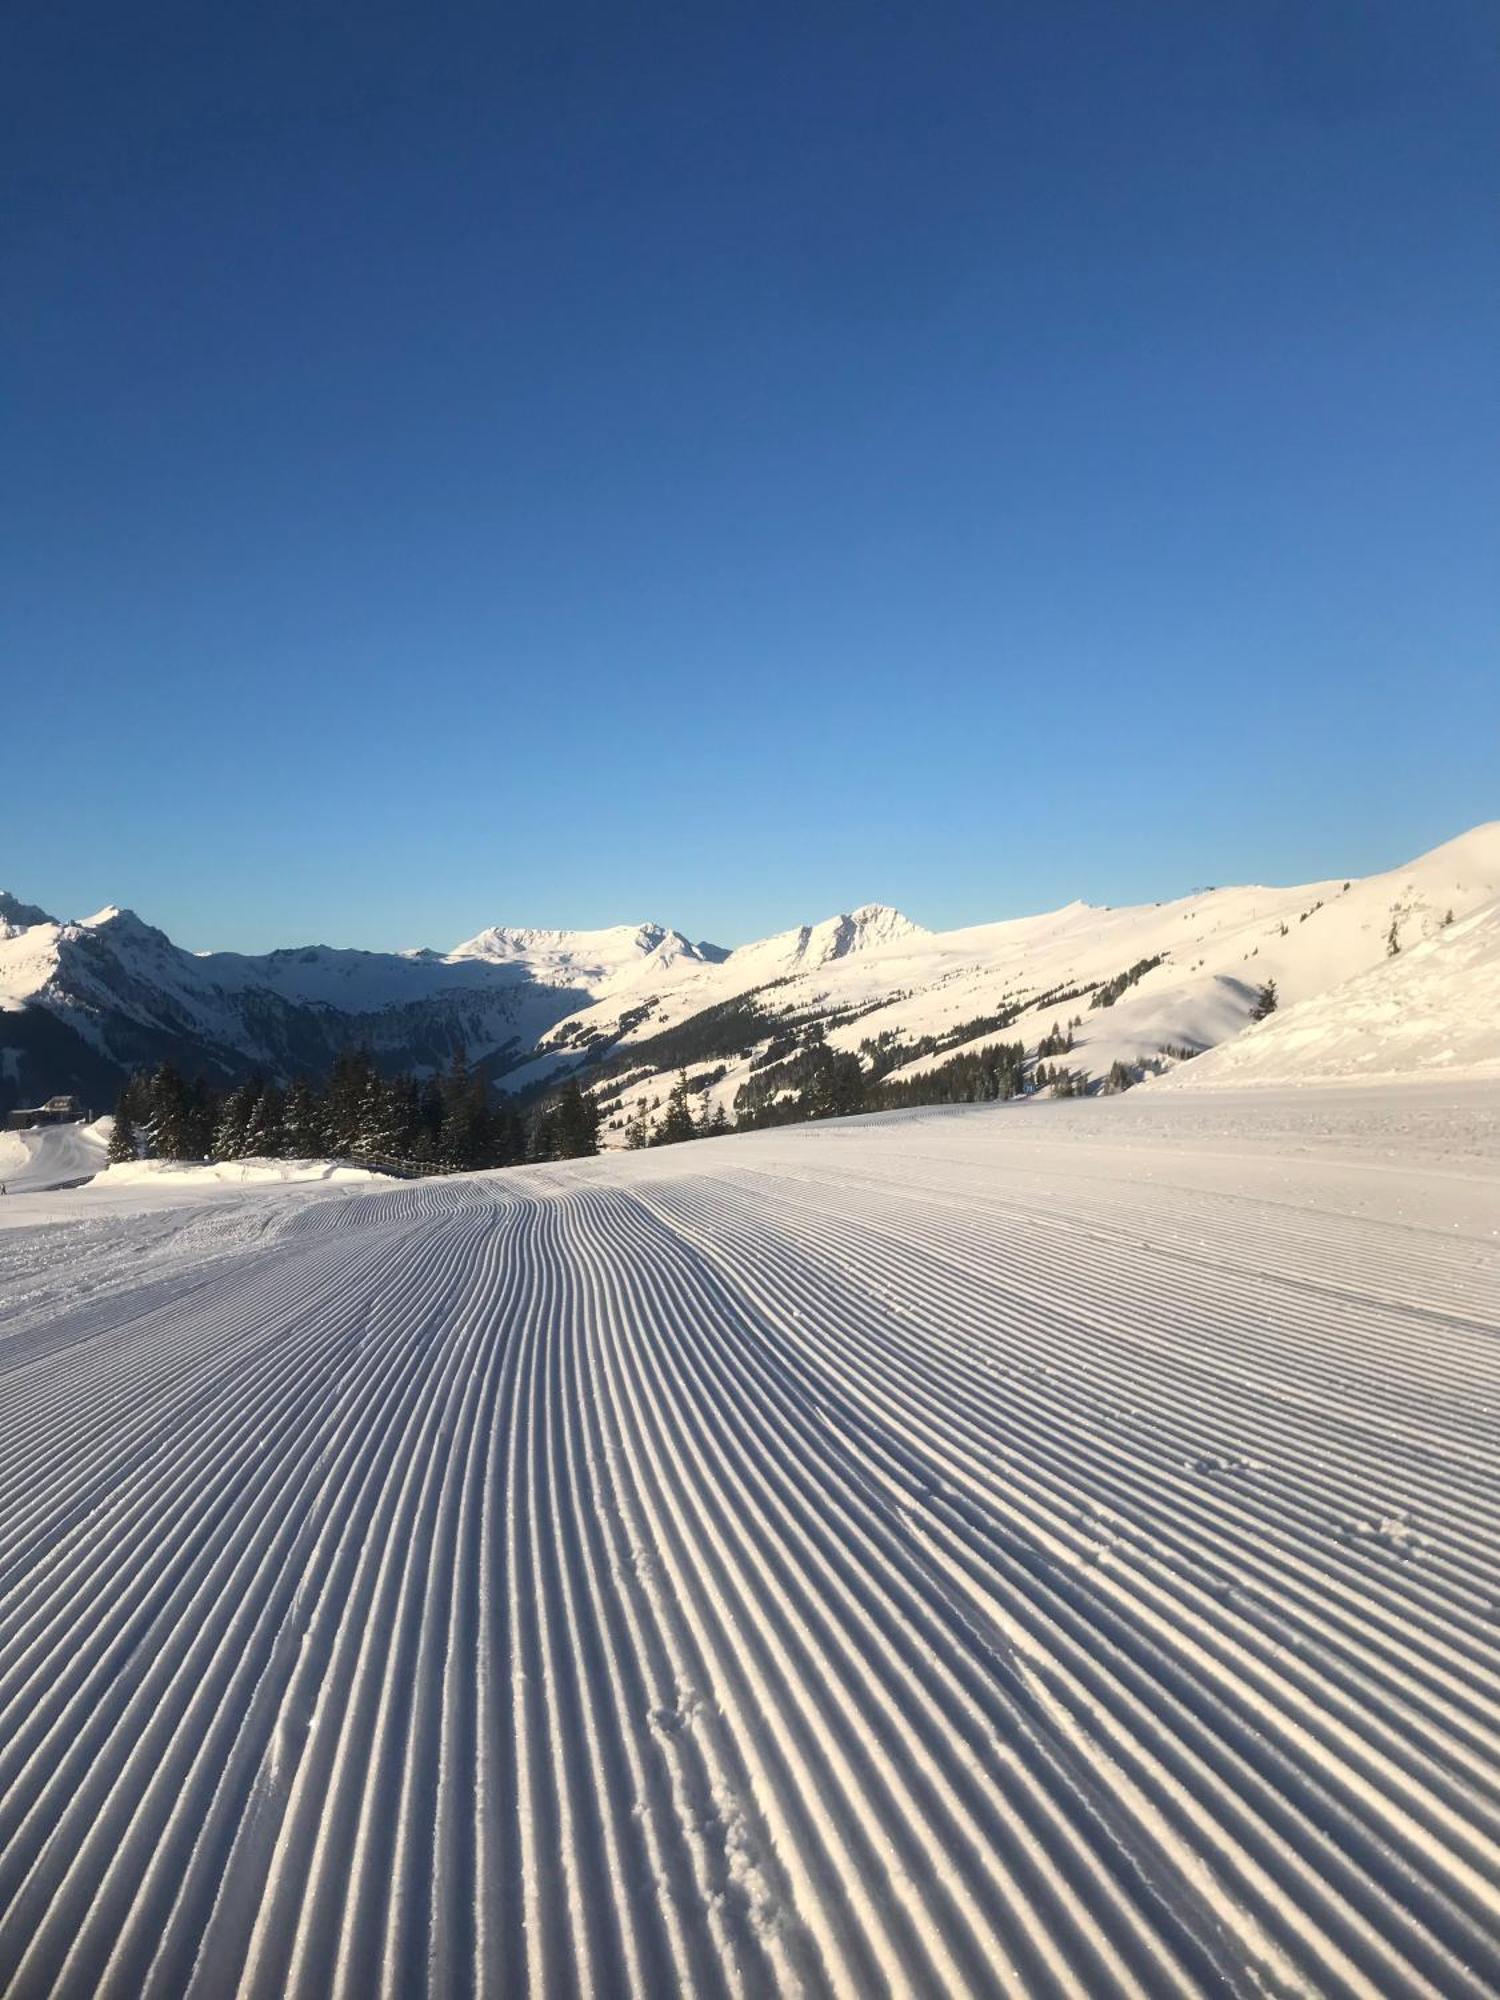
(877, 923)
(617, 956)
(622, 941)
(864, 929)
(19, 915)
(123, 922)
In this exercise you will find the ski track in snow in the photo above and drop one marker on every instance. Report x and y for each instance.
(942, 1555)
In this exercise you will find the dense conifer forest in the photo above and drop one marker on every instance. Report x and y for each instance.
(449, 1122)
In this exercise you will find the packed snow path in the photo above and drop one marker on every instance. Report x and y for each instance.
(1047, 1551)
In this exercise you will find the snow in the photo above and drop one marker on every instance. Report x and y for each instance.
(501, 987)
(1040, 1548)
(543, 999)
(1432, 1010)
(810, 947)
(60, 1157)
(1217, 948)
(189, 1174)
(605, 961)
(52, 1153)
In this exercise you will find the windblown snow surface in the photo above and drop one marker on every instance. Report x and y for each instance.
(1043, 1549)
(53, 1153)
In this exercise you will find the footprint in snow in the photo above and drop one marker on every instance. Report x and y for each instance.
(1223, 1461)
(1389, 1531)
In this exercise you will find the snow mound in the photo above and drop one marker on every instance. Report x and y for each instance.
(227, 1173)
(52, 1154)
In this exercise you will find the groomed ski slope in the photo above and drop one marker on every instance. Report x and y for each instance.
(1048, 1550)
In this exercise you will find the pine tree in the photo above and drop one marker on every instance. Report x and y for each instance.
(304, 1127)
(576, 1123)
(509, 1127)
(677, 1122)
(202, 1109)
(426, 1142)
(1266, 1001)
(638, 1127)
(378, 1137)
(464, 1139)
(228, 1139)
(135, 1104)
(541, 1137)
(344, 1104)
(263, 1129)
(173, 1126)
(122, 1145)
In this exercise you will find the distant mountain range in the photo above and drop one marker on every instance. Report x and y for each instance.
(82, 1003)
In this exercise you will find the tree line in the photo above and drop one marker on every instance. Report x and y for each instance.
(454, 1121)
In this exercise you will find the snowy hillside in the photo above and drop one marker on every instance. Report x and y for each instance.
(1144, 984)
(1430, 1011)
(996, 1551)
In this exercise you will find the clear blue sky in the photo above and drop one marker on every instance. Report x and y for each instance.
(723, 463)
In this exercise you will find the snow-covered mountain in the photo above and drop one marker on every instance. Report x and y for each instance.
(83, 1002)
(1144, 985)
(1432, 1011)
(631, 1005)
(618, 959)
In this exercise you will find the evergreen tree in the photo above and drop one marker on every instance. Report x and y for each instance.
(379, 1136)
(135, 1104)
(638, 1128)
(465, 1139)
(677, 1122)
(509, 1135)
(541, 1136)
(303, 1125)
(344, 1104)
(228, 1140)
(455, 1121)
(1266, 1001)
(263, 1129)
(576, 1123)
(122, 1145)
(1055, 1043)
(837, 1088)
(174, 1127)
(202, 1108)
(429, 1124)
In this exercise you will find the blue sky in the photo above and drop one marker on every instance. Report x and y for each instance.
(473, 464)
